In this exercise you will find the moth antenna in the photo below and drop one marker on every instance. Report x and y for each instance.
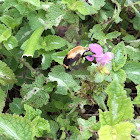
(90, 38)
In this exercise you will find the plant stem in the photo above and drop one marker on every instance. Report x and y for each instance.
(138, 34)
(25, 77)
(26, 64)
(123, 2)
(132, 4)
(109, 24)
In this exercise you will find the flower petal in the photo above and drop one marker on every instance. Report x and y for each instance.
(107, 57)
(98, 59)
(90, 58)
(96, 48)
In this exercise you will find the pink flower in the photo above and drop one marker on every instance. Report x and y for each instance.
(101, 58)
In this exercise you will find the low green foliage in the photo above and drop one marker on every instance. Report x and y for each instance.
(39, 99)
(2, 99)
(119, 56)
(132, 69)
(16, 127)
(16, 106)
(31, 43)
(36, 94)
(6, 74)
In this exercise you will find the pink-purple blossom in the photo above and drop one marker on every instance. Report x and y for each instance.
(101, 58)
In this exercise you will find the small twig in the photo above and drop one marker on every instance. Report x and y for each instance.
(89, 115)
(25, 77)
(133, 94)
(109, 24)
(7, 110)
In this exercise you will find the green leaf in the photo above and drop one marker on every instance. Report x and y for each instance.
(8, 3)
(12, 63)
(119, 76)
(136, 22)
(13, 12)
(96, 4)
(6, 74)
(16, 106)
(100, 100)
(36, 94)
(133, 53)
(2, 99)
(112, 35)
(8, 21)
(71, 18)
(119, 56)
(105, 118)
(132, 69)
(23, 34)
(54, 16)
(69, 2)
(120, 131)
(128, 38)
(135, 132)
(108, 9)
(32, 42)
(137, 99)
(10, 43)
(103, 15)
(64, 81)
(50, 107)
(31, 113)
(54, 42)
(120, 106)
(46, 60)
(134, 43)
(53, 129)
(40, 125)
(5, 33)
(73, 129)
(98, 33)
(16, 127)
(36, 19)
(85, 126)
(99, 78)
(74, 137)
(63, 122)
(23, 78)
(72, 33)
(33, 2)
(82, 7)
(22, 7)
(59, 56)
